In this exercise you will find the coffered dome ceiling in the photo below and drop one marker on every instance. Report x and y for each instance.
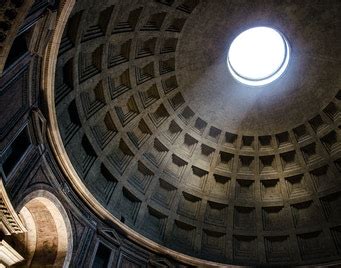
(175, 148)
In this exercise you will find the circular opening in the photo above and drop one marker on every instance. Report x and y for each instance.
(258, 56)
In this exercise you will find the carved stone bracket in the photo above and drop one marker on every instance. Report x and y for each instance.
(10, 222)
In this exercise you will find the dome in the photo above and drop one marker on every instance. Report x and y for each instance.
(170, 133)
(161, 136)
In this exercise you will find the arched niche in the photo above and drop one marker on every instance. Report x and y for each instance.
(48, 241)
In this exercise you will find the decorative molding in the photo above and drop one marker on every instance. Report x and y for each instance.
(8, 255)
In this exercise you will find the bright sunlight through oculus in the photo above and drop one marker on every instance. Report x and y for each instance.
(258, 56)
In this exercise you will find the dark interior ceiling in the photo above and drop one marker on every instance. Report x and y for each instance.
(168, 142)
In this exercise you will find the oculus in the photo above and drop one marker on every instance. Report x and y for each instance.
(258, 56)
